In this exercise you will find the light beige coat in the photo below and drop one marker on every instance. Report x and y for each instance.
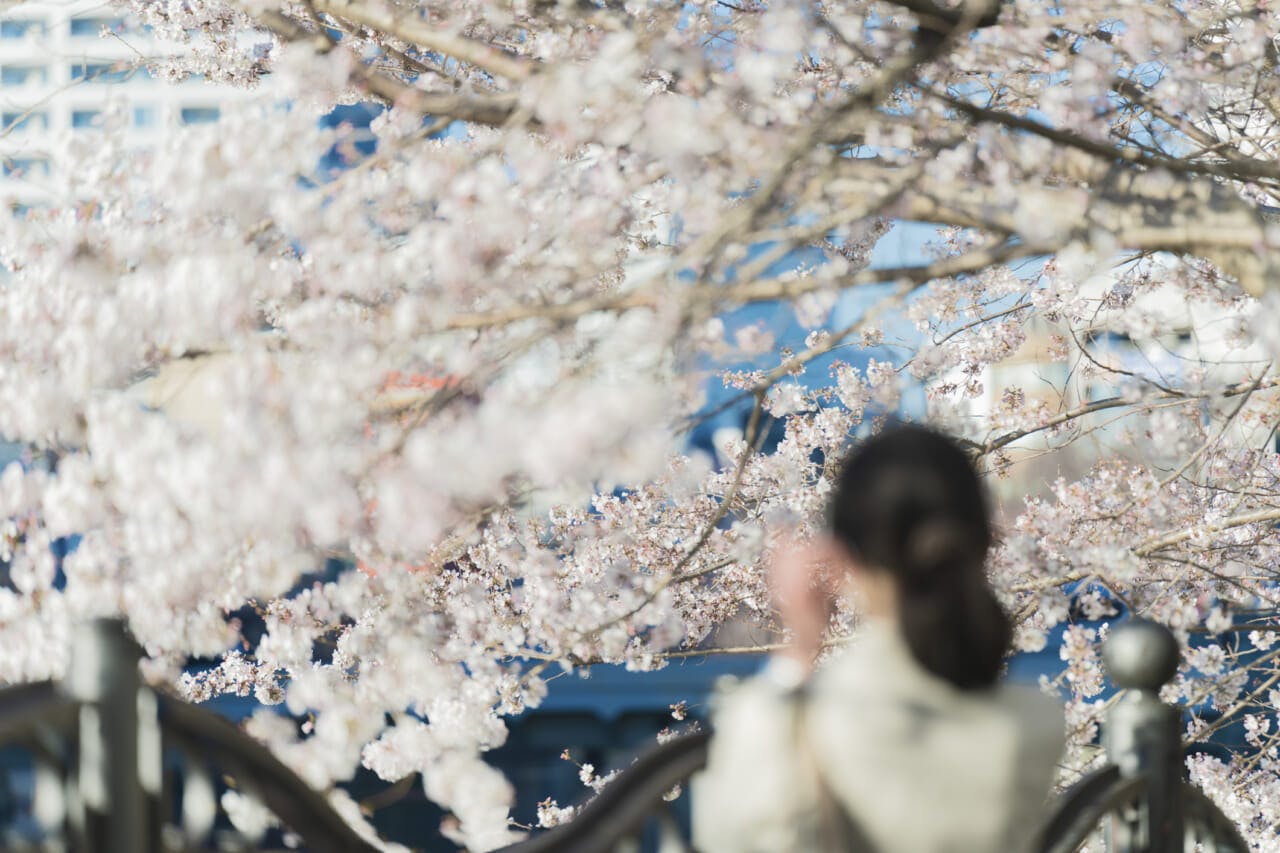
(920, 766)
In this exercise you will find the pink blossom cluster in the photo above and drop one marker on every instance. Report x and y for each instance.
(468, 363)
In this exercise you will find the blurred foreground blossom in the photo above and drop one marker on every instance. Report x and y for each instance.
(467, 364)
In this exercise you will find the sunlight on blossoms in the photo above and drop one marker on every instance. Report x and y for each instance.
(395, 424)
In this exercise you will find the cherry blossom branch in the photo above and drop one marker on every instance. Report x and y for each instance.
(1235, 169)
(769, 290)
(751, 436)
(1241, 704)
(1222, 429)
(486, 109)
(1178, 536)
(763, 648)
(973, 14)
(1111, 403)
(1117, 371)
(1227, 579)
(409, 30)
(492, 110)
(1040, 584)
(922, 51)
(1143, 211)
(684, 654)
(796, 363)
(1142, 97)
(986, 318)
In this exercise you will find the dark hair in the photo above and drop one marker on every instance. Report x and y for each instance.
(908, 502)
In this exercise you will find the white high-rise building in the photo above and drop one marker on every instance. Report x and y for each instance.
(61, 64)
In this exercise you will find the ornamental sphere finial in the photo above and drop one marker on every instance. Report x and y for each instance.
(1141, 654)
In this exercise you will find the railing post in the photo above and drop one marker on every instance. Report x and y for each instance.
(103, 677)
(1143, 737)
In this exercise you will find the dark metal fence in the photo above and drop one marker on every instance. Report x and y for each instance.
(1141, 796)
(1140, 800)
(121, 768)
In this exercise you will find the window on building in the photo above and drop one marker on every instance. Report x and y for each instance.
(25, 167)
(100, 72)
(94, 26)
(23, 75)
(20, 121)
(199, 115)
(21, 29)
(1107, 338)
(145, 117)
(86, 118)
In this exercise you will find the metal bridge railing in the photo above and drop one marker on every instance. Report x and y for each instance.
(1140, 799)
(120, 768)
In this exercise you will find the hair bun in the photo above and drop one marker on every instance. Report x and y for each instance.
(935, 552)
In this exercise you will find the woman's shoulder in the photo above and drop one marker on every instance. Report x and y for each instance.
(879, 678)
(1040, 715)
(1028, 699)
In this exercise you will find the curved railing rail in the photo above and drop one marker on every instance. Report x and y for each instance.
(215, 742)
(622, 810)
(119, 767)
(1141, 800)
(1103, 794)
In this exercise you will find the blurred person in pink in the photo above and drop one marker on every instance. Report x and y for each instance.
(905, 741)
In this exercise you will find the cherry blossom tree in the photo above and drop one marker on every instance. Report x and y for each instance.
(467, 363)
